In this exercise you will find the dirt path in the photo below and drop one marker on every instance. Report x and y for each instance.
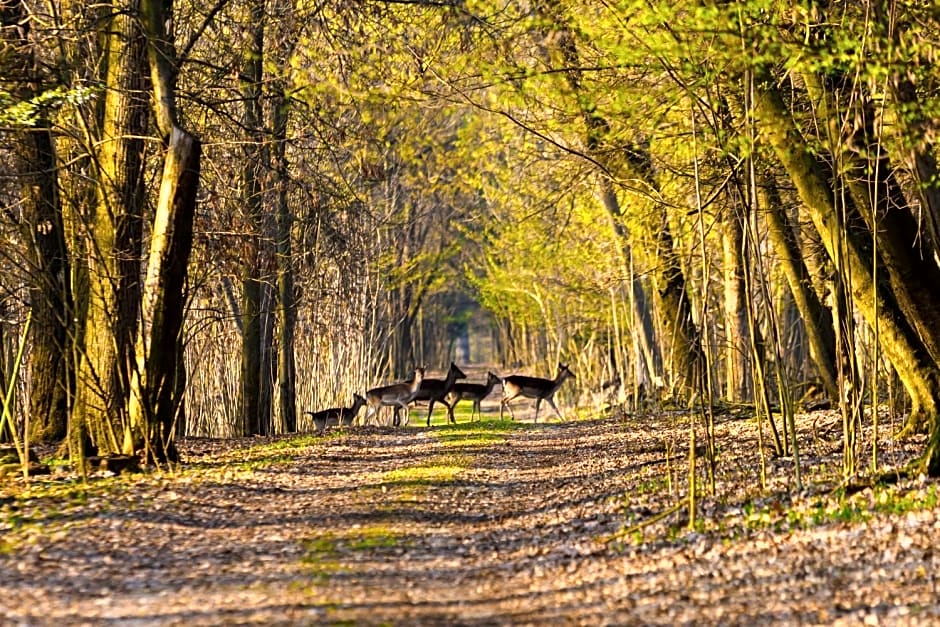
(433, 526)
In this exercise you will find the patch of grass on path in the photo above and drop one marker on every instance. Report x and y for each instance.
(480, 433)
(326, 554)
(461, 441)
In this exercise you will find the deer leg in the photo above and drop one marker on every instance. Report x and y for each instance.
(538, 402)
(505, 402)
(430, 409)
(557, 413)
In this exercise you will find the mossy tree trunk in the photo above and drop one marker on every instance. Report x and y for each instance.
(910, 358)
(876, 196)
(817, 318)
(113, 241)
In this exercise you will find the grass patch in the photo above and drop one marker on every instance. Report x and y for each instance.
(480, 433)
(328, 554)
(463, 414)
(444, 469)
(459, 439)
(859, 508)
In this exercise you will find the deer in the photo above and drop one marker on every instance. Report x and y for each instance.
(397, 394)
(475, 392)
(336, 416)
(540, 389)
(435, 390)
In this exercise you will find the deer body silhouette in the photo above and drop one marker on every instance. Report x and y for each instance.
(540, 389)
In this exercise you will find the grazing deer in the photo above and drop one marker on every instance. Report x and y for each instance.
(434, 390)
(516, 385)
(336, 416)
(475, 392)
(397, 394)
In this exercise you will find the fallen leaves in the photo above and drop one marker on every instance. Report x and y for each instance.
(508, 526)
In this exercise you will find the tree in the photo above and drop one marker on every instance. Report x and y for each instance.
(112, 232)
(50, 290)
(256, 388)
(159, 366)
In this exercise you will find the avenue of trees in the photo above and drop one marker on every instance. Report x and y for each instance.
(215, 216)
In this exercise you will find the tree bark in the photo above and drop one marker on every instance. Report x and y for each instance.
(157, 397)
(160, 373)
(287, 308)
(50, 300)
(817, 318)
(737, 337)
(114, 246)
(255, 407)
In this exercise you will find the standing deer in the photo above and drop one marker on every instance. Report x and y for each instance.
(336, 416)
(397, 394)
(475, 392)
(540, 389)
(434, 390)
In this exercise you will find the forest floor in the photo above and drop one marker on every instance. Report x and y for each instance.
(483, 523)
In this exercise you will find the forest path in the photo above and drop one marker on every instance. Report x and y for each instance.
(494, 524)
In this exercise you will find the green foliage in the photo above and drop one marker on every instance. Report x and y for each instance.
(880, 500)
(26, 113)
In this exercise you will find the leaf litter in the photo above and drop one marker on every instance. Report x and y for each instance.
(581, 522)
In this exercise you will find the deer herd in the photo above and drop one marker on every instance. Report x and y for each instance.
(448, 392)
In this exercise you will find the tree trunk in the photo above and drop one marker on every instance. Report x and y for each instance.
(50, 298)
(160, 373)
(114, 244)
(737, 337)
(918, 373)
(817, 318)
(49, 359)
(255, 411)
(287, 308)
(688, 358)
(912, 274)
(250, 400)
(157, 394)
